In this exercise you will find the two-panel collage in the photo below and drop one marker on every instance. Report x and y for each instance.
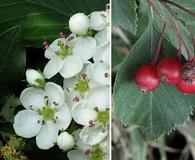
(97, 80)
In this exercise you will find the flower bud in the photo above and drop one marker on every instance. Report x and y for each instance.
(98, 20)
(65, 141)
(79, 24)
(35, 78)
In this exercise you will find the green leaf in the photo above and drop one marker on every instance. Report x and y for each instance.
(12, 61)
(124, 15)
(43, 20)
(170, 33)
(8, 109)
(156, 112)
(7, 130)
(119, 49)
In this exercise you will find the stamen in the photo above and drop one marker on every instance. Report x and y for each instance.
(91, 124)
(57, 53)
(87, 152)
(96, 109)
(31, 107)
(45, 45)
(76, 99)
(38, 121)
(61, 35)
(106, 75)
(84, 76)
(70, 38)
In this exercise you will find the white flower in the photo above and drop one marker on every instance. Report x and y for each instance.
(90, 143)
(95, 107)
(103, 37)
(99, 20)
(99, 73)
(82, 114)
(78, 87)
(99, 98)
(67, 56)
(84, 47)
(35, 78)
(61, 59)
(77, 155)
(79, 24)
(46, 113)
(79, 143)
(93, 135)
(65, 141)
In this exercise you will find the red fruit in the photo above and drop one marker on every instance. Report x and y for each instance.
(168, 70)
(186, 88)
(146, 78)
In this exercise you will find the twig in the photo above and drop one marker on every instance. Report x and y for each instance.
(180, 7)
(166, 148)
(184, 42)
(155, 59)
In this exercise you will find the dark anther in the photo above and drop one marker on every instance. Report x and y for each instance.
(84, 76)
(106, 75)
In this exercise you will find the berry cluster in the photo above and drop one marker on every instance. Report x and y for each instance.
(169, 71)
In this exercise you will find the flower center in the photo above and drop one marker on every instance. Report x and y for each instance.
(97, 153)
(48, 113)
(64, 50)
(82, 86)
(103, 117)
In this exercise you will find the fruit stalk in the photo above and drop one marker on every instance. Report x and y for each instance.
(180, 7)
(155, 58)
(184, 42)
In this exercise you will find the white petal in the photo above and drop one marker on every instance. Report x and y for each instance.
(50, 52)
(82, 114)
(65, 141)
(55, 94)
(32, 76)
(98, 20)
(69, 83)
(72, 66)
(77, 155)
(99, 97)
(47, 137)
(71, 39)
(79, 142)
(105, 145)
(27, 123)
(32, 98)
(79, 24)
(53, 67)
(102, 54)
(64, 117)
(93, 135)
(72, 97)
(84, 47)
(99, 72)
(103, 36)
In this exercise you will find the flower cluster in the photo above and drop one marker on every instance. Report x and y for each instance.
(82, 59)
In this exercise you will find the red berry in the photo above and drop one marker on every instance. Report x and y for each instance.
(146, 78)
(186, 88)
(168, 70)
